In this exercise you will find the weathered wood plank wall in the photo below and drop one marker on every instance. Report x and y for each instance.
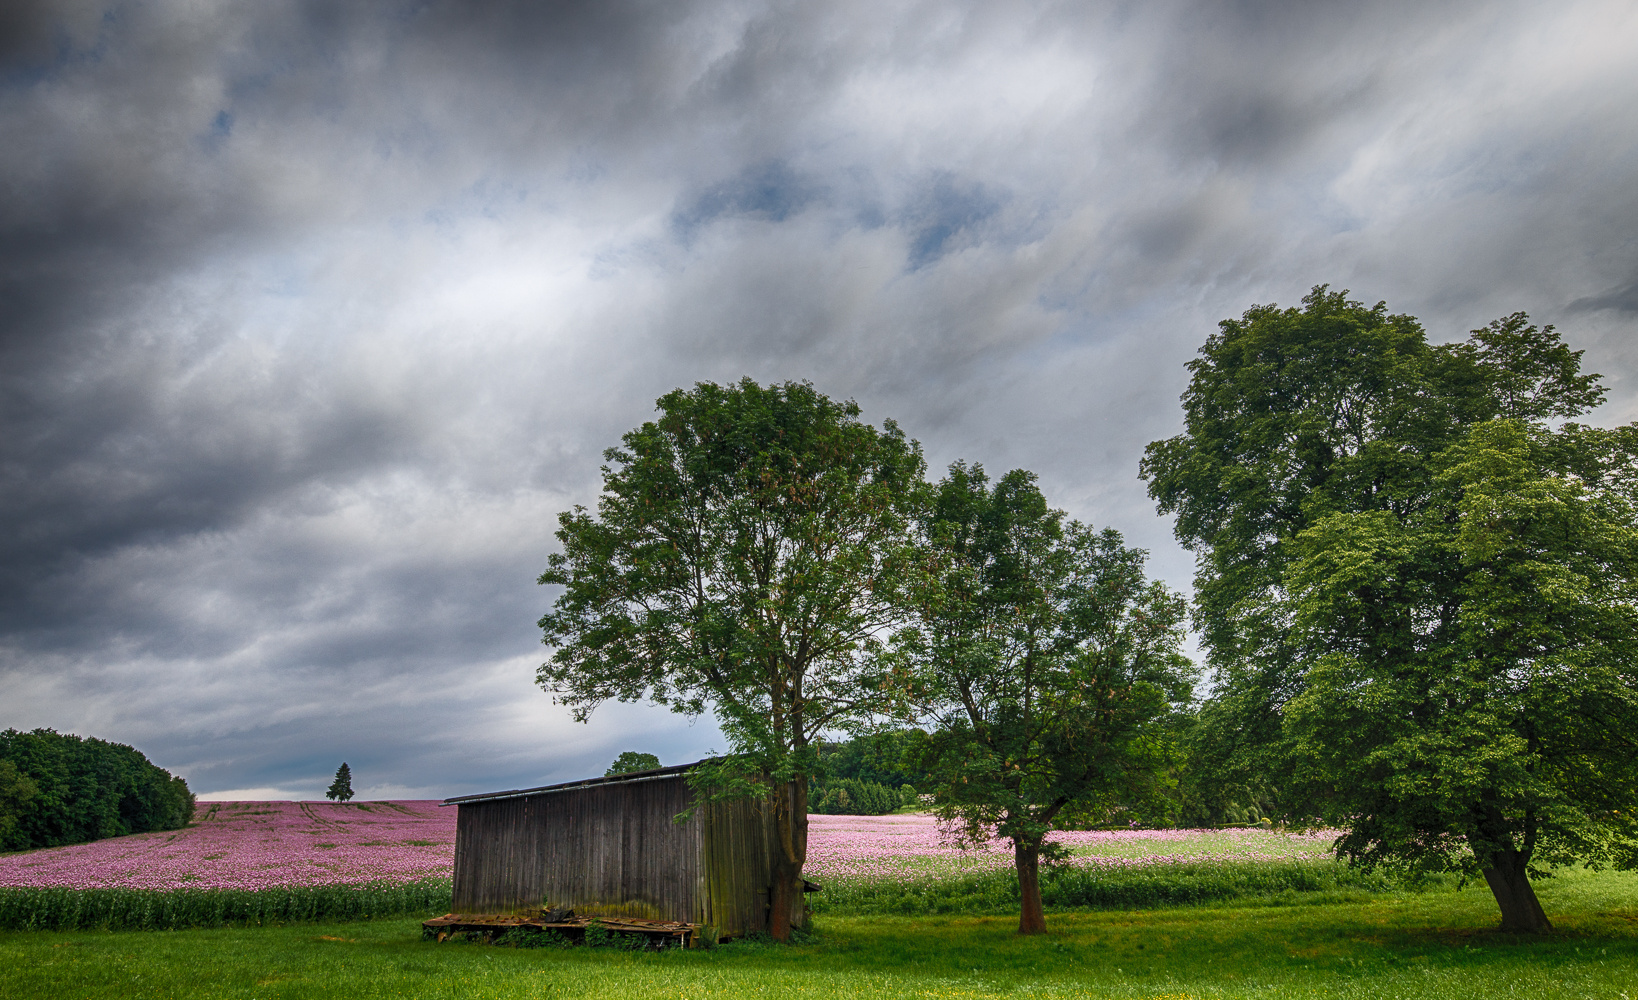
(738, 845)
(613, 849)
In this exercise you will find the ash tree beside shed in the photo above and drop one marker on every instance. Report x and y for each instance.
(747, 557)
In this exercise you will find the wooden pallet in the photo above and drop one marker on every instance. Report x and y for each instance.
(661, 933)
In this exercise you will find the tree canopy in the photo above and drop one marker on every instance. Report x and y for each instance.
(57, 788)
(631, 762)
(1046, 659)
(341, 789)
(1415, 587)
(747, 557)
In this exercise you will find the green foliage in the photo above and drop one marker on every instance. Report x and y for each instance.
(1418, 594)
(1065, 887)
(599, 936)
(523, 937)
(887, 758)
(630, 762)
(870, 775)
(1048, 661)
(744, 558)
(163, 910)
(57, 788)
(747, 556)
(1191, 795)
(851, 797)
(341, 789)
(17, 792)
(1474, 693)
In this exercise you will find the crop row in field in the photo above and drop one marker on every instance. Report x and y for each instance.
(172, 909)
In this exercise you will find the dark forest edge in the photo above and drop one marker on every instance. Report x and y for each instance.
(58, 789)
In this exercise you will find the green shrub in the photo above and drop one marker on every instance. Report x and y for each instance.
(522, 937)
(631, 762)
(598, 936)
(852, 797)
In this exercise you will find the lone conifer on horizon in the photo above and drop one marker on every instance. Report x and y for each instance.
(341, 789)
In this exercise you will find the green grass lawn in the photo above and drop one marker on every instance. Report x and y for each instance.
(1436, 944)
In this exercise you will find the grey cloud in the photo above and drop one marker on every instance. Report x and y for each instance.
(313, 316)
(1623, 299)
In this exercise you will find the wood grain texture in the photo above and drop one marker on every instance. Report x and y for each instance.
(614, 850)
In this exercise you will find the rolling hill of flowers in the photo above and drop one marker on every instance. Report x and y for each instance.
(242, 863)
(257, 845)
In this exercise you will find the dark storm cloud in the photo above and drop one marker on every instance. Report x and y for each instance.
(312, 316)
(1623, 299)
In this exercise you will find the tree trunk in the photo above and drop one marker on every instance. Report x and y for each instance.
(1027, 858)
(1510, 884)
(786, 908)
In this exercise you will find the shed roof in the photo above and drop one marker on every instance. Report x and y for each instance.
(653, 774)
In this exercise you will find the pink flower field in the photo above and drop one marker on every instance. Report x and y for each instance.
(256, 845)
(887, 847)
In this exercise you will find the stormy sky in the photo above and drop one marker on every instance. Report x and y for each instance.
(314, 316)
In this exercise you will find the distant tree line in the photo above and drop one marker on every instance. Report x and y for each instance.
(880, 773)
(632, 762)
(870, 775)
(57, 788)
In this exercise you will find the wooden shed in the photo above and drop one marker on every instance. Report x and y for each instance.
(610, 847)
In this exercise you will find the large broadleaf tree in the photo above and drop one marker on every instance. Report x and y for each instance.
(748, 557)
(1416, 585)
(1047, 663)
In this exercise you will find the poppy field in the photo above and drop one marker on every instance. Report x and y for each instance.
(268, 862)
(242, 863)
(256, 845)
(908, 864)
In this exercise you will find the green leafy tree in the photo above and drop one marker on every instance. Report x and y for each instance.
(17, 793)
(852, 797)
(1049, 664)
(885, 758)
(746, 558)
(341, 789)
(87, 789)
(630, 762)
(1416, 593)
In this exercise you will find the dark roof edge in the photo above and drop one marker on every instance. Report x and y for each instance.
(673, 771)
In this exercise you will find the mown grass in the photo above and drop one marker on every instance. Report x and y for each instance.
(1432, 944)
